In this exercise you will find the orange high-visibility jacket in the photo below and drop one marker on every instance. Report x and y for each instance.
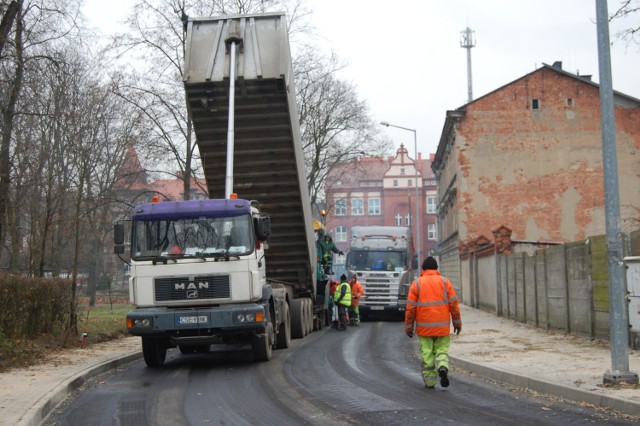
(432, 304)
(356, 293)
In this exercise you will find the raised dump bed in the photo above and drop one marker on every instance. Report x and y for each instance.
(268, 162)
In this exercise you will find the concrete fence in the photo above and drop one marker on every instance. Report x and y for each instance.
(563, 287)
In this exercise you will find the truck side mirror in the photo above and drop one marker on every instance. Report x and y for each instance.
(118, 238)
(263, 227)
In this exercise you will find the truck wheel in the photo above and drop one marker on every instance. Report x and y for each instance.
(283, 339)
(263, 344)
(298, 326)
(309, 304)
(154, 351)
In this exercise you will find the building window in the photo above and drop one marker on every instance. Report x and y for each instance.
(398, 219)
(407, 219)
(374, 205)
(432, 231)
(570, 102)
(402, 171)
(340, 234)
(395, 182)
(357, 206)
(338, 182)
(431, 203)
(409, 182)
(341, 207)
(535, 103)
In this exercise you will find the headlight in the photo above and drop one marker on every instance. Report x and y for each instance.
(139, 323)
(246, 317)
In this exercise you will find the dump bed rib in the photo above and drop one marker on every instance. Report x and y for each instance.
(268, 163)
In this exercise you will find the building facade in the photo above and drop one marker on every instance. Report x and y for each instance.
(382, 191)
(528, 157)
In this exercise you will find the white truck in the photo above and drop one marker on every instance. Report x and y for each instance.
(382, 259)
(230, 269)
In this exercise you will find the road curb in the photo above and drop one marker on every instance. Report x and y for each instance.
(42, 409)
(544, 386)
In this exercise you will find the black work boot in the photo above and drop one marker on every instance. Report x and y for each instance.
(444, 380)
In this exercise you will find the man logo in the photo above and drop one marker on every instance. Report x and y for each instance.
(191, 286)
(192, 294)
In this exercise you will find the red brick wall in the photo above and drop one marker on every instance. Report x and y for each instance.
(540, 172)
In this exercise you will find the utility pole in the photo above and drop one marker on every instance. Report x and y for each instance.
(618, 316)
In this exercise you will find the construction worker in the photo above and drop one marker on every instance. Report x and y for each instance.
(356, 294)
(330, 290)
(325, 246)
(431, 306)
(342, 299)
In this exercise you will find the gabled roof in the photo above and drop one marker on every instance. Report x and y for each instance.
(453, 115)
(556, 67)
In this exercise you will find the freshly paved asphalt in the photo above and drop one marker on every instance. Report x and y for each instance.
(565, 366)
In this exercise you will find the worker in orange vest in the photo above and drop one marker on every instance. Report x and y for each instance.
(356, 294)
(432, 305)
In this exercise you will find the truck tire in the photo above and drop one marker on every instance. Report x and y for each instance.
(298, 325)
(283, 339)
(309, 304)
(262, 344)
(154, 351)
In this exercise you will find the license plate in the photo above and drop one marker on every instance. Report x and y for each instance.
(194, 319)
(377, 308)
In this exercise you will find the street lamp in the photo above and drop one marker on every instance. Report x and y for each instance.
(415, 146)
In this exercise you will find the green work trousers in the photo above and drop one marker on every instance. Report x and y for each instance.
(435, 354)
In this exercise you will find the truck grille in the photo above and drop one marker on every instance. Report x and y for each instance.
(196, 288)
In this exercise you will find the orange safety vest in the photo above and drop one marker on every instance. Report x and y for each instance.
(356, 293)
(432, 304)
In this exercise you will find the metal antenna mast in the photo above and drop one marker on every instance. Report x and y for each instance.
(467, 41)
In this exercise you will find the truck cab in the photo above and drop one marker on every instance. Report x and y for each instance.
(381, 258)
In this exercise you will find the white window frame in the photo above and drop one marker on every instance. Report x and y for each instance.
(357, 206)
(431, 204)
(341, 207)
(340, 234)
(432, 232)
(374, 206)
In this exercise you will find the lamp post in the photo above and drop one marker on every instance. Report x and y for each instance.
(415, 146)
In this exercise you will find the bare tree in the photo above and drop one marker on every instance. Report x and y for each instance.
(335, 124)
(28, 27)
(626, 10)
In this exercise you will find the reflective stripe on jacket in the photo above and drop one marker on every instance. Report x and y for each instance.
(432, 304)
(343, 294)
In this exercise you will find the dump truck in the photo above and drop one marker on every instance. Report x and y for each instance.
(240, 267)
(383, 261)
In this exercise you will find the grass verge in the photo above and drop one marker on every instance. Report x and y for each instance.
(101, 322)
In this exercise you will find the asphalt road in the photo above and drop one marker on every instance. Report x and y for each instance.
(367, 375)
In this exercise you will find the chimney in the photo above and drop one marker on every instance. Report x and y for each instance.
(557, 65)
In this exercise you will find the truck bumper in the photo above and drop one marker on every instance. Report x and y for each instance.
(220, 324)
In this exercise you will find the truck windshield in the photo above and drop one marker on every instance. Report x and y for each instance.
(366, 260)
(198, 237)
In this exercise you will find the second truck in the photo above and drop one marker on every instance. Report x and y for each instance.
(233, 269)
(382, 259)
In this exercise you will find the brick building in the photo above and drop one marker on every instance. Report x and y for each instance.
(133, 183)
(527, 158)
(381, 191)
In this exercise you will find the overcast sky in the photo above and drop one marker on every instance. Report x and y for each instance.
(404, 56)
